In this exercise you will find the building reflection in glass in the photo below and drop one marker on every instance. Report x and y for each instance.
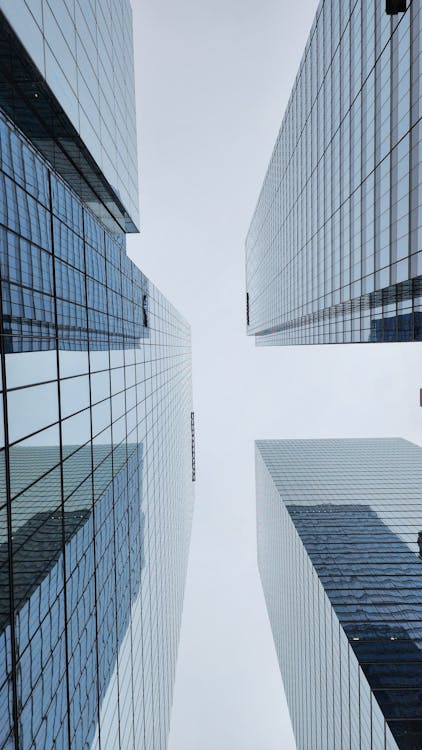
(95, 468)
(406, 327)
(338, 219)
(374, 583)
(338, 525)
(55, 550)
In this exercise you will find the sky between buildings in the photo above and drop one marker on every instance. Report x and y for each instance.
(213, 80)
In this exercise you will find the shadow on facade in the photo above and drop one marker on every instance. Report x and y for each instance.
(374, 582)
(99, 546)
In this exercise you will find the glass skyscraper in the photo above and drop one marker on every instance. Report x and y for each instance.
(96, 408)
(67, 81)
(339, 553)
(334, 250)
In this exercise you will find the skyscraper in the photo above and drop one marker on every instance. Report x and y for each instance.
(339, 525)
(95, 425)
(334, 250)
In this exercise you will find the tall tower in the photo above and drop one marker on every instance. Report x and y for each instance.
(338, 553)
(334, 250)
(95, 426)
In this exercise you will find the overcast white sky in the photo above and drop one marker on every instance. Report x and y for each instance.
(213, 79)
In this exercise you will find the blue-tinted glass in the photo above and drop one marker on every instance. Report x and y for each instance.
(86, 339)
(337, 219)
(345, 516)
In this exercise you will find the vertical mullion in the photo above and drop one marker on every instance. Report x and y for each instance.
(15, 701)
(94, 548)
(65, 624)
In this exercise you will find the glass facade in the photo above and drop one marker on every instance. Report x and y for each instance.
(334, 250)
(96, 473)
(67, 81)
(338, 528)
